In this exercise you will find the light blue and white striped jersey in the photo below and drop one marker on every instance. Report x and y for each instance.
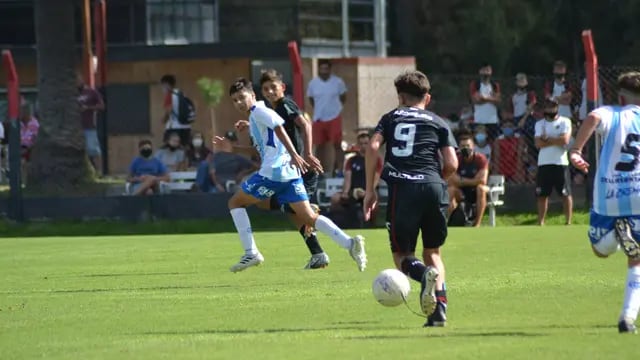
(276, 161)
(617, 184)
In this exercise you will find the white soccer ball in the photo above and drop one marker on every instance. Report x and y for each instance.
(391, 287)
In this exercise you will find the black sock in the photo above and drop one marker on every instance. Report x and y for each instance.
(311, 241)
(441, 295)
(414, 268)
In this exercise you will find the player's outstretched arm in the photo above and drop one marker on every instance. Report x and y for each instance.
(296, 159)
(449, 161)
(587, 128)
(305, 129)
(371, 164)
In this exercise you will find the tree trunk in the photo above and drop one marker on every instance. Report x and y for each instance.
(59, 163)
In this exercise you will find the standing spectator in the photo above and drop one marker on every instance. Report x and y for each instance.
(560, 90)
(469, 185)
(91, 103)
(507, 153)
(522, 101)
(327, 94)
(29, 127)
(482, 145)
(179, 111)
(552, 136)
(146, 172)
(197, 152)
(172, 155)
(485, 95)
(528, 133)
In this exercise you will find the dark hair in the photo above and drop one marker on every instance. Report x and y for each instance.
(485, 64)
(364, 135)
(413, 83)
(324, 62)
(549, 103)
(240, 84)
(270, 75)
(630, 81)
(144, 142)
(465, 134)
(560, 63)
(168, 79)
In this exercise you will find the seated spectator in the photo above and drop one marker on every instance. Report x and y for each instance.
(197, 151)
(172, 155)
(482, 144)
(507, 153)
(355, 180)
(146, 172)
(469, 185)
(224, 166)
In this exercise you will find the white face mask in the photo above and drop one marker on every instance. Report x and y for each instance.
(197, 142)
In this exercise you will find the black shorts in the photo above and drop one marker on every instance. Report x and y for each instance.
(415, 207)
(469, 194)
(551, 177)
(310, 180)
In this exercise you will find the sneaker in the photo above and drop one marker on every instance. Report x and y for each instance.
(439, 316)
(629, 245)
(357, 252)
(428, 300)
(318, 261)
(626, 326)
(247, 261)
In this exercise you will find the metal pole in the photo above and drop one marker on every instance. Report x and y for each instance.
(380, 15)
(345, 28)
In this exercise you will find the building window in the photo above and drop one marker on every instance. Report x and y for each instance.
(174, 22)
(322, 19)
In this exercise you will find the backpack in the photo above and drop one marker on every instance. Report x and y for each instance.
(186, 110)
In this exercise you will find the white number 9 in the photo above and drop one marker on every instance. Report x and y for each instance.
(405, 133)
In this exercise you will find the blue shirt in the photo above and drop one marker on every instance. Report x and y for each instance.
(151, 166)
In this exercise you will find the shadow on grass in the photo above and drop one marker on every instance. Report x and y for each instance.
(449, 334)
(104, 290)
(258, 331)
(133, 274)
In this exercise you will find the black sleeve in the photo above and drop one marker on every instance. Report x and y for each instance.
(381, 128)
(445, 137)
(291, 109)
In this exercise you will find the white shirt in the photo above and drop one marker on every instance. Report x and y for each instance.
(486, 113)
(173, 122)
(583, 106)
(276, 160)
(484, 150)
(519, 101)
(326, 97)
(616, 190)
(559, 89)
(553, 155)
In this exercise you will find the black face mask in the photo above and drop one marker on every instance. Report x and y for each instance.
(550, 116)
(559, 76)
(466, 152)
(522, 88)
(145, 152)
(485, 77)
(172, 148)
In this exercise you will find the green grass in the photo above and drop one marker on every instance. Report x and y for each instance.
(514, 293)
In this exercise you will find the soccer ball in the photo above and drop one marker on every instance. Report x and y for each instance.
(391, 287)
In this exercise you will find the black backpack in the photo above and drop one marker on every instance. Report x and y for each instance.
(186, 110)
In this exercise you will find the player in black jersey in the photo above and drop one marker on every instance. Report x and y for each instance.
(420, 155)
(299, 130)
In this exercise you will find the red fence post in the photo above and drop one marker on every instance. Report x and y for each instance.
(296, 66)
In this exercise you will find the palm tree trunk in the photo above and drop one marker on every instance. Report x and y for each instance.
(59, 163)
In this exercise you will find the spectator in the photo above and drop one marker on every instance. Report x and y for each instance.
(469, 185)
(522, 101)
(507, 153)
(197, 151)
(552, 136)
(355, 179)
(146, 172)
(172, 155)
(485, 95)
(29, 127)
(327, 94)
(224, 166)
(90, 102)
(530, 151)
(482, 145)
(173, 101)
(560, 90)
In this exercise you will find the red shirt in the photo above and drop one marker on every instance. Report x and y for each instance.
(508, 156)
(469, 169)
(89, 97)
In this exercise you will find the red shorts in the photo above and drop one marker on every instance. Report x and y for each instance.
(328, 131)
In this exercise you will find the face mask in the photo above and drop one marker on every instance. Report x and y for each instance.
(481, 138)
(145, 152)
(522, 88)
(559, 76)
(197, 142)
(550, 116)
(508, 132)
(485, 77)
(466, 152)
(172, 147)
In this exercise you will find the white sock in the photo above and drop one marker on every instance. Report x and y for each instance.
(608, 244)
(329, 228)
(632, 294)
(243, 226)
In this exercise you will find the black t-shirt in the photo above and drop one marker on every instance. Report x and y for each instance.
(289, 111)
(413, 139)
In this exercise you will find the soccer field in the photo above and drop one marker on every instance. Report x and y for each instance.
(514, 293)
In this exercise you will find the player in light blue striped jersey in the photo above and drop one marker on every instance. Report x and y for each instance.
(279, 176)
(615, 213)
